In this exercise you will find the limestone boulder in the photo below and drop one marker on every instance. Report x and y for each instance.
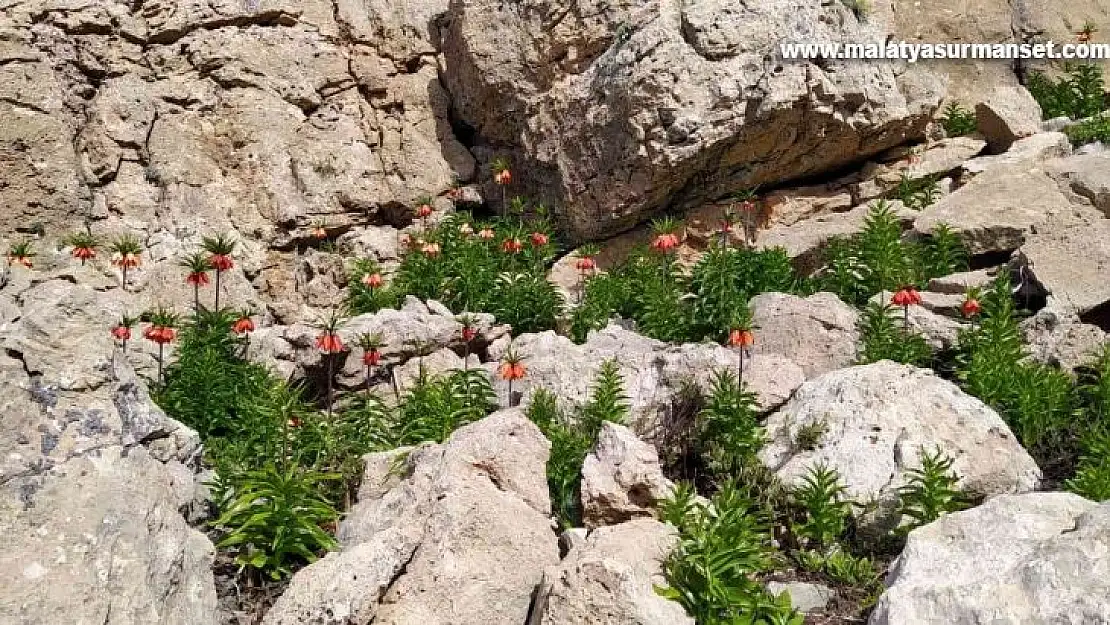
(1032, 558)
(878, 418)
(621, 479)
(610, 579)
(818, 332)
(430, 537)
(619, 110)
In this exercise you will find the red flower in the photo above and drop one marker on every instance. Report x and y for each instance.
(295, 422)
(318, 231)
(372, 357)
(539, 239)
(21, 260)
(971, 307)
(126, 261)
(665, 242)
(243, 325)
(907, 296)
(221, 262)
(726, 227)
(431, 250)
(84, 253)
(586, 263)
(423, 210)
(329, 343)
(372, 280)
(121, 333)
(486, 233)
(740, 337)
(197, 278)
(469, 333)
(511, 246)
(160, 334)
(512, 369)
(503, 177)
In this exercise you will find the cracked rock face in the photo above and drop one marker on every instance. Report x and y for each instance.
(621, 108)
(218, 114)
(92, 483)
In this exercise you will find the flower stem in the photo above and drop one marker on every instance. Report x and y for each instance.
(368, 373)
(196, 297)
(123, 284)
(217, 301)
(331, 373)
(161, 349)
(740, 369)
(511, 393)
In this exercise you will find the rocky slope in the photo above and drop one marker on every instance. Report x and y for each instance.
(175, 119)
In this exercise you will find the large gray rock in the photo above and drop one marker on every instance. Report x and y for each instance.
(430, 537)
(1087, 175)
(1017, 559)
(1007, 114)
(620, 109)
(92, 485)
(621, 479)
(877, 419)
(1069, 264)
(653, 372)
(818, 332)
(610, 579)
(998, 209)
(1060, 339)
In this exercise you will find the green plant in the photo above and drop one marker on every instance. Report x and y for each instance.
(728, 431)
(572, 439)
(1076, 94)
(493, 272)
(1092, 477)
(1096, 129)
(882, 338)
(917, 193)
(273, 518)
(366, 290)
(722, 547)
(957, 120)
(809, 436)
(821, 499)
(434, 407)
(846, 568)
(930, 491)
(941, 254)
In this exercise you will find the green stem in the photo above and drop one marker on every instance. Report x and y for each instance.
(331, 373)
(217, 300)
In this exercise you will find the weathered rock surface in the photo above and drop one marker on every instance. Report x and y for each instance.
(1069, 264)
(878, 417)
(1024, 153)
(1087, 175)
(818, 332)
(653, 372)
(1059, 338)
(621, 479)
(430, 537)
(91, 484)
(1007, 114)
(805, 597)
(638, 106)
(609, 579)
(999, 209)
(1033, 558)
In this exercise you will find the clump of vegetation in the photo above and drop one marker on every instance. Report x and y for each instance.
(930, 491)
(669, 305)
(957, 120)
(877, 259)
(1077, 94)
(917, 193)
(882, 339)
(1090, 130)
(1092, 477)
(572, 438)
(498, 267)
(724, 545)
